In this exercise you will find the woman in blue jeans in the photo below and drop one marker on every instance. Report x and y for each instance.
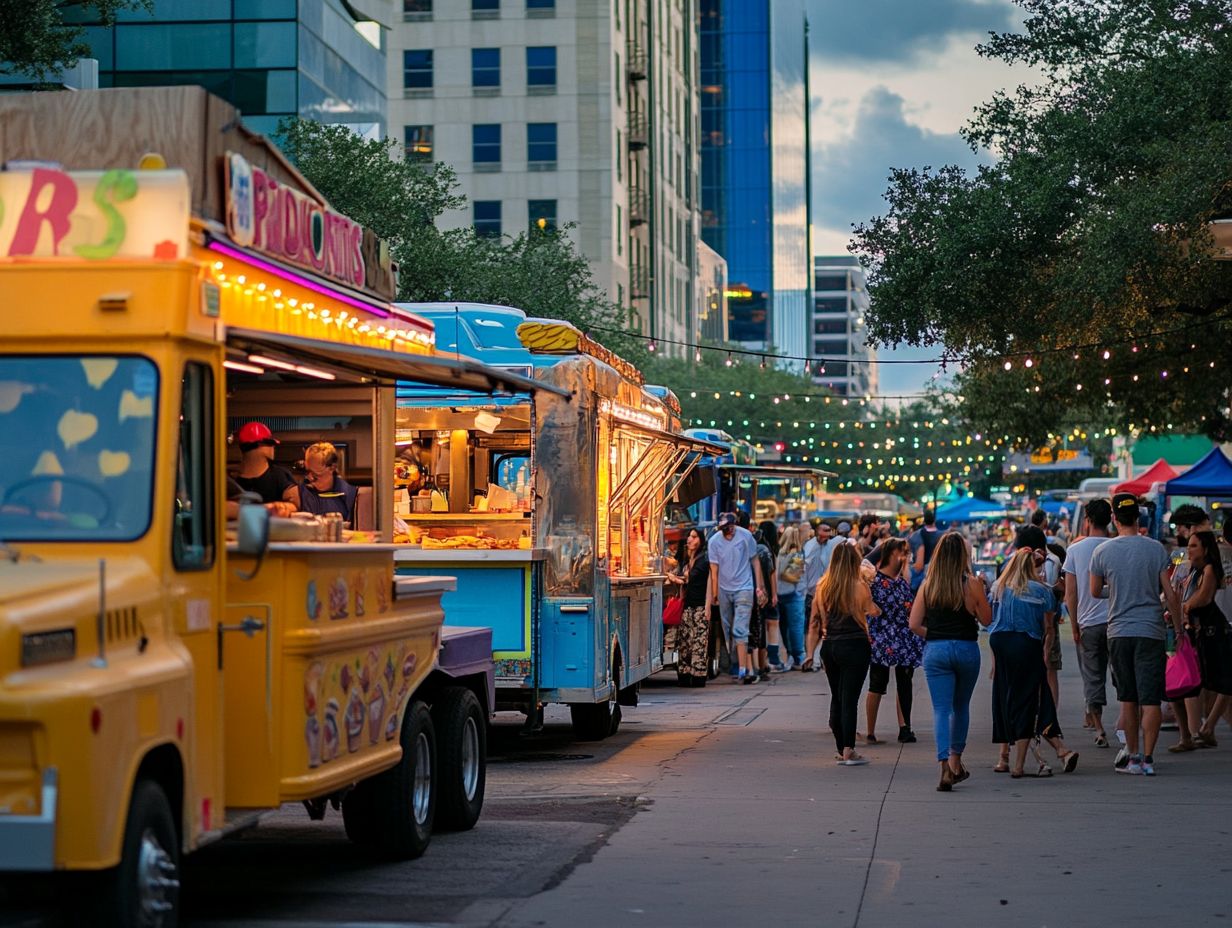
(950, 603)
(790, 569)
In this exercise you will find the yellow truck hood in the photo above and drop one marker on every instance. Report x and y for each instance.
(28, 579)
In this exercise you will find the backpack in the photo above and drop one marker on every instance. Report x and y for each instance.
(793, 568)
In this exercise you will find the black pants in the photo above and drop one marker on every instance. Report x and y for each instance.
(879, 682)
(846, 663)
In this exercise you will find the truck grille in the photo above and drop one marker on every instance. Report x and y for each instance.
(122, 625)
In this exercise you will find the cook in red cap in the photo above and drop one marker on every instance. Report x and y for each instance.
(255, 433)
(259, 474)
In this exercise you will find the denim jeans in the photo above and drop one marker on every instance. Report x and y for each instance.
(791, 620)
(736, 609)
(951, 669)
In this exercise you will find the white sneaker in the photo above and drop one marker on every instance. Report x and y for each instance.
(1133, 768)
(1122, 759)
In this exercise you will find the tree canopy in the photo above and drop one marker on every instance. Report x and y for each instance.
(39, 38)
(1073, 280)
(539, 270)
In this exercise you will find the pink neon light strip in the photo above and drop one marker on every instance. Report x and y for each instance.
(277, 271)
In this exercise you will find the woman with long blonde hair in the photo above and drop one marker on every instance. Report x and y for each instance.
(841, 609)
(945, 614)
(1020, 636)
(789, 567)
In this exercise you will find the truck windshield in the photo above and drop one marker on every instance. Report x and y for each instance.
(76, 447)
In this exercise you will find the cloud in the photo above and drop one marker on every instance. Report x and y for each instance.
(850, 174)
(894, 30)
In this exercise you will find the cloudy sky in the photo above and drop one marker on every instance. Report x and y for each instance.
(892, 83)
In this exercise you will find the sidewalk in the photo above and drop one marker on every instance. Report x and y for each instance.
(757, 826)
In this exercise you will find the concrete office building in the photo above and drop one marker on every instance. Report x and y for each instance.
(320, 59)
(566, 111)
(840, 300)
(755, 166)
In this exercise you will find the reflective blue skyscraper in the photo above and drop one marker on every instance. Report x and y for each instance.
(755, 165)
(270, 58)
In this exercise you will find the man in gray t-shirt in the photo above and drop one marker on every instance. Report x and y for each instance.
(737, 581)
(1131, 571)
(1088, 615)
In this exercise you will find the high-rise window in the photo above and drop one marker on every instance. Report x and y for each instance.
(487, 217)
(540, 4)
(484, 6)
(620, 230)
(417, 69)
(542, 214)
(416, 8)
(541, 143)
(486, 143)
(485, 67)
(418, 141)
(541, 67)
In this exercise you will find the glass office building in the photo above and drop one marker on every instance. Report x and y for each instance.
(755, 165)
(270, 58)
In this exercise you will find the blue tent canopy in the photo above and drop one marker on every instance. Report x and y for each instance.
(1211, 476)
(1054, 507)
(970, 509)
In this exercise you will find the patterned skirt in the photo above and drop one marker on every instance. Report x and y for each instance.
(692, 640)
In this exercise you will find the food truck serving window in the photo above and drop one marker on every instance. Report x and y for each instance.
(78, 457)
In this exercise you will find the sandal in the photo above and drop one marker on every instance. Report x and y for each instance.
(1003, 766)
(1016, 774)
(1101, 740)
(1069, 761)
(1182, 747)
(963, 774)
(871, 739)
(1206, 740)
(1045, 771)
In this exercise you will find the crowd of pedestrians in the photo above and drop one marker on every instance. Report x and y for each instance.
(850, 598)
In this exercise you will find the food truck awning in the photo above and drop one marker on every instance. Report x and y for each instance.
(776, 471)
(390, 366)
(659, 472)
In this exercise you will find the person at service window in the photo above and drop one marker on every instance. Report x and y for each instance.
(259, 474)
(323, 490)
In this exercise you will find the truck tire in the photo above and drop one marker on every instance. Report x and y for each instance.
(462, 735)
(144, 889)
(393, 812)
(594, 721)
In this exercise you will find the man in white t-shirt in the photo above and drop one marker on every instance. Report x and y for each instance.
(1089, 615)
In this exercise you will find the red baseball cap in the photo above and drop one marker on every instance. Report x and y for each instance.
(255, 433)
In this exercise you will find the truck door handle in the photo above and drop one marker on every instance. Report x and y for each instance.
(249, 626)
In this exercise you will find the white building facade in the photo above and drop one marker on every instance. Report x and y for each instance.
(566, 111)
(840, 300)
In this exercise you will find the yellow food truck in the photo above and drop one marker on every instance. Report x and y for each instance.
(175, 661)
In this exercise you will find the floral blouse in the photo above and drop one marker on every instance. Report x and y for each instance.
(894, 644)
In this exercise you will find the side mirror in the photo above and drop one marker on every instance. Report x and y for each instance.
(253, 530)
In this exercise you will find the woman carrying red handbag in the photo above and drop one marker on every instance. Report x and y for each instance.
(692, 577)
(1205, 620)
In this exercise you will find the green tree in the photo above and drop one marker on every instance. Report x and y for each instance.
(539, 271)
(40, 37)
(1091, 233)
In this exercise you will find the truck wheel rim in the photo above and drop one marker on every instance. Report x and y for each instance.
(470, 759)
(421, 790)
(156, 880)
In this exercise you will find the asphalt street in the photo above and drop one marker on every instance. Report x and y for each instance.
(723, 806)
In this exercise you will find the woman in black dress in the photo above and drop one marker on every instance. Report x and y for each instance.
(1205, 619)
(692, 575)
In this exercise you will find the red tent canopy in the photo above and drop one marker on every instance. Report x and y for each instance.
(1159, 472)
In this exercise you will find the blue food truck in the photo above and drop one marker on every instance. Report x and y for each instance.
(549, 510)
